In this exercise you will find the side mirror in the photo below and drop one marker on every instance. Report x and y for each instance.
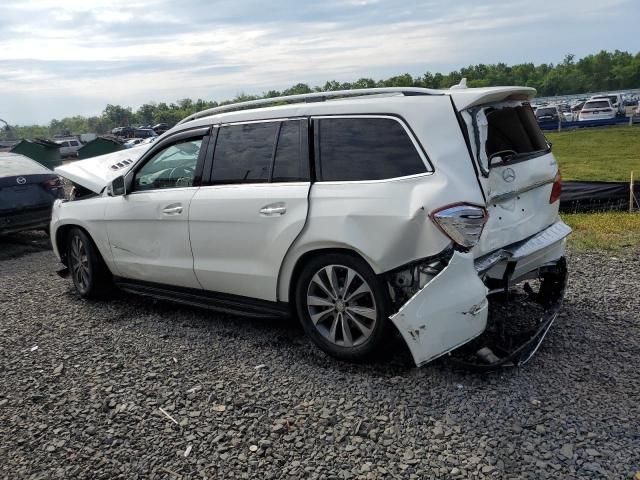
(118, 187)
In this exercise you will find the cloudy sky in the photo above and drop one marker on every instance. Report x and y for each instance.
(67, 57)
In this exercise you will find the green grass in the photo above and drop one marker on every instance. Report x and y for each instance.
(598, 153)
(614, 232)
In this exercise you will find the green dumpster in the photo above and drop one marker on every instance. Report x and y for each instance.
(99, 146)
(42, 151)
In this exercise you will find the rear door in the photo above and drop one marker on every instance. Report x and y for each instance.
(516, 171)
(242, 224)
(148, 227)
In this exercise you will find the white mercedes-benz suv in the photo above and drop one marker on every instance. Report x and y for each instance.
(363, 213)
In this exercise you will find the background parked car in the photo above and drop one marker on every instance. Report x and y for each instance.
(144, 133)
(160, 128)
(548, 114)
(69, 146)
(616, 102)
(27, 193)
(597, 110)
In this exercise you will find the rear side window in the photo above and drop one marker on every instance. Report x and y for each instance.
(291, 163)
(243, 153)
(351, 149)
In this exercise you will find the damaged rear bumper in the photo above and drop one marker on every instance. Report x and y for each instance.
(453, 308)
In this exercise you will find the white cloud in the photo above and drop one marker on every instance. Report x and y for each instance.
(134, 51)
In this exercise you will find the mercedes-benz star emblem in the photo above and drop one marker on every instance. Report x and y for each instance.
(21, 180)
(508, 175)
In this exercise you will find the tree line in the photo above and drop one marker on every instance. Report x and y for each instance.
(594, 73)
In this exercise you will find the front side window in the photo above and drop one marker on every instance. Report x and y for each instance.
(243, 153)
(353, 149)
(172, 167)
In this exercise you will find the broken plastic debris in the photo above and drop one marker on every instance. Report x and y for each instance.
(218, 408)
(34, 348)
(59, 369)
(535, 403)
(253, 448)
(260, 367)
(188, 451)
(175, 360)
(194, 389)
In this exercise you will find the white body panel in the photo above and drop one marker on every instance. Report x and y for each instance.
(97, 172)
(236, 248)
(149, 236)
(438, 318)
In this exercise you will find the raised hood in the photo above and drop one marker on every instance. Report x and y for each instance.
(98, 172)
(465, 98)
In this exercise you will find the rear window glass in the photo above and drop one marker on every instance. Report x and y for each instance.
(12, 164)
(365, 149)
(545, 111)
(598, 104)
(243, 153)
(513, 130)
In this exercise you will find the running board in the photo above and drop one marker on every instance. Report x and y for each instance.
(219, 302)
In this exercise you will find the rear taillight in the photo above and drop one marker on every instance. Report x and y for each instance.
(556, 190)
(462, 223)
(52, 183)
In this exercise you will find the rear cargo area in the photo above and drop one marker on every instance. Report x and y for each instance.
(516, 171)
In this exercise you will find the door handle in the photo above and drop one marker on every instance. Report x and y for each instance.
(173, 209)
(273, 209)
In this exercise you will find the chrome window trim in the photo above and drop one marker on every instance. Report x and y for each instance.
(408, 131)
(259, 184)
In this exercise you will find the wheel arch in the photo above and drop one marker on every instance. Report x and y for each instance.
(292, 266)
(62, 236)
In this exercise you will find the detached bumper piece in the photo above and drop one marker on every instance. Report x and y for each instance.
(486, 313)
(519, 318)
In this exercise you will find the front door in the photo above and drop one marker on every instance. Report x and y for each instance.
(243, 223)
(148, 228)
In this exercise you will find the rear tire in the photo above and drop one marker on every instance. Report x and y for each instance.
(90, 274)
(343, 306)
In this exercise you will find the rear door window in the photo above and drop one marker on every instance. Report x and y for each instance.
(243, 153)
(291, 163)
(352, 149)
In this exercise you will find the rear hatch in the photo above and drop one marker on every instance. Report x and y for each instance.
(516, 171)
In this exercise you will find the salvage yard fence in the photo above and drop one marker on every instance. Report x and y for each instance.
(582, 196)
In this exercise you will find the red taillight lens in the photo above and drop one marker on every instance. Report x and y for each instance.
(52, 183)
(556, 190)
(463, 223)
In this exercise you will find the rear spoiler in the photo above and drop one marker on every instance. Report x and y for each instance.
(465, 98)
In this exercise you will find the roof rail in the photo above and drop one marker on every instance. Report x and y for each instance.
(311, 97)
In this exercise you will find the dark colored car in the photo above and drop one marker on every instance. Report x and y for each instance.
(160, 128)
(123, 132)
(27, 193)
(547, 114)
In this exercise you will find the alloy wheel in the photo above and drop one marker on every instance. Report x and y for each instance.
(80, 263)
(341, 305)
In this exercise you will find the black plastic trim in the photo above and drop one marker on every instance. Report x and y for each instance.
(220, 302)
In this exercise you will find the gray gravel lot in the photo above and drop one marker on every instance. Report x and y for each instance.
(254, 399)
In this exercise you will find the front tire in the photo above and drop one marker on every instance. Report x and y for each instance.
(343, 306)
(90, 275)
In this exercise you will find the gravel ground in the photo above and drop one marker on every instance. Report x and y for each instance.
(82, 386)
